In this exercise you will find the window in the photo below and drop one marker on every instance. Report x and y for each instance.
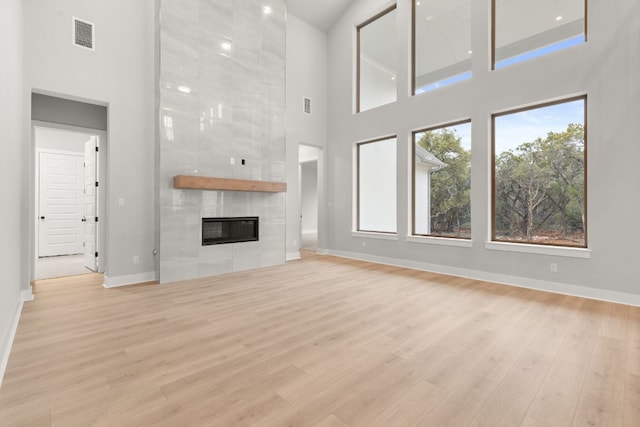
(377, 61)
(376, 186)
(539, 174)
(441, 43)
(442, 181)
(525, 29)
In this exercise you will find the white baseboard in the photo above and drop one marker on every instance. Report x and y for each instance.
(27, 294)
(5, 350)
(131, 279)
(521, 282)
(292, 256)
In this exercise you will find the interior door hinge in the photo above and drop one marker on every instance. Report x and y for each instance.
(97, 149)
(96, 254)
(96, 183)
(96, 219)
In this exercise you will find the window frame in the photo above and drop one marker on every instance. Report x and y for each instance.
(413, 179)
(412, 85)
(358, 46)
(413, 65)
(492, 190)
(358, 229)
(493, 30)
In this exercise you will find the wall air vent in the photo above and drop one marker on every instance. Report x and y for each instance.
(307, 105)
(83, 34)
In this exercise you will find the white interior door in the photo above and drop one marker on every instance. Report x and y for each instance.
(60, 203)
(90, 204)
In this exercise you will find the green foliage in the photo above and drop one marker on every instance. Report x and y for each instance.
(451, 185)
(540, 190)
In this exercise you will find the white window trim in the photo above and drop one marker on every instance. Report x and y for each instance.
(374, 235)
(584, 253)
(442, 241)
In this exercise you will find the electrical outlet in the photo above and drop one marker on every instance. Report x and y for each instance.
(233, 161)
(553, 267)
(136, 259)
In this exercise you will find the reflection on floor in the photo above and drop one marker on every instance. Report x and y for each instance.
(60, 266)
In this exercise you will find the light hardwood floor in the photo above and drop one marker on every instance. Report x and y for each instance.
(322, 342)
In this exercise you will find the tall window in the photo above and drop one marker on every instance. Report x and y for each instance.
(539, 175)
(442, 181)
(377, 60)
(376, 186)
(524, 29)
(441, 43)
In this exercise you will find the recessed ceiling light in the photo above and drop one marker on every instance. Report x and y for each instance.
(417, 3)
(558, 18)
(267, 10)
(226, 46)
(393, 77)
(470, 52)
(184, 89)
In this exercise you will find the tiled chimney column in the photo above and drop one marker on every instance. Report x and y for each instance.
(222, 99)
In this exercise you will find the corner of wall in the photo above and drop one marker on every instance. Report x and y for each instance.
(6, 342)
(292, 256)
(131, 279)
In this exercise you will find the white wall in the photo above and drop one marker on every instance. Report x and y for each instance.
(306, 77)
(309, 196)
(120, 75)
(55, 139)
(606, 68)
(12, 219)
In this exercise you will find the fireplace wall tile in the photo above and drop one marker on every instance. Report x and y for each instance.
(221, 97)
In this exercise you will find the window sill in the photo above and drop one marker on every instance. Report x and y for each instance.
(444, 241)
(373, 235)
(539, 249)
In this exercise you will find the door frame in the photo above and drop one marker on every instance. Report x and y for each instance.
(322, 197)
(102, 195)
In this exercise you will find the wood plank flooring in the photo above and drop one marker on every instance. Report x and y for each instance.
(320, 342)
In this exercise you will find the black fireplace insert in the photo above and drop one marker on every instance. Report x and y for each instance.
(217, 231)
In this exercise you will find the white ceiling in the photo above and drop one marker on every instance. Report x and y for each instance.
(321, 14)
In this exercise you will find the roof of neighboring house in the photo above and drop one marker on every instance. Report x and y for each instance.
(429, 159)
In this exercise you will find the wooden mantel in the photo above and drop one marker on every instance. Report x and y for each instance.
(228, 184)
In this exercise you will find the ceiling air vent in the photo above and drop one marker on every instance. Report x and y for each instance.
(307, 105)
(83, 34)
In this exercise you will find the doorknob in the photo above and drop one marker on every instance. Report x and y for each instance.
(84, 219)
(41, 217)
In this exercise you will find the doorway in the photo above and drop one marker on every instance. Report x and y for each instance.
(67, 168)
(308, 158)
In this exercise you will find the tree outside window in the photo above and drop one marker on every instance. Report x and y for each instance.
(540, 175)
(442, 181)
